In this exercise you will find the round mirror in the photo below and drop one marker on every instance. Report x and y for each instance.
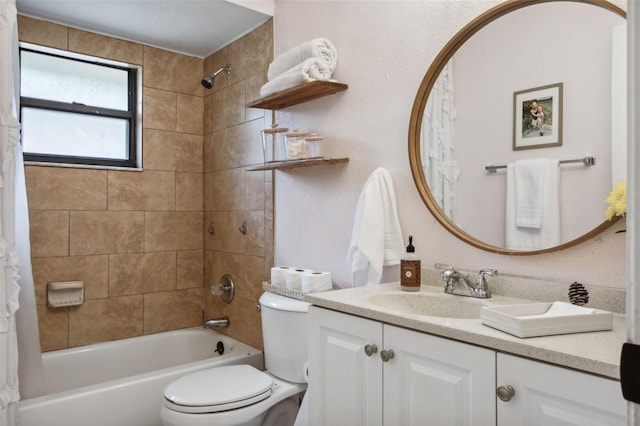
(525, 85)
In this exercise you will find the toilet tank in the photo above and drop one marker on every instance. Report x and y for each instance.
(284, 332)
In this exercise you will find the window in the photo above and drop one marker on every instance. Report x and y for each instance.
(78, 109)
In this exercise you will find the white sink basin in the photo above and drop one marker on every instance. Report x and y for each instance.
(430, 304)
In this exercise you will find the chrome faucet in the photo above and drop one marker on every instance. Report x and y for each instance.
(452, 278)
(216, 323)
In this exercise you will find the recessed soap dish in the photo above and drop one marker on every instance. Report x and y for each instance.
(65, 293)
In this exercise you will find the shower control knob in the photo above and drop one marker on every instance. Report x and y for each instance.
(505, 393)
(370, 349)
(386, 355)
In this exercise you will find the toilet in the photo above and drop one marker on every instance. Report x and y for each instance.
(242, 394)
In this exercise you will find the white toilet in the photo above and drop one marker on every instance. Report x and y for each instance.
(242, 394)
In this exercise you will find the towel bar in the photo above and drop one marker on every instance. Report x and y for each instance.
(588, 161)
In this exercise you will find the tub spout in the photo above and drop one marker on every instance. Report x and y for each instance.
(216, 323)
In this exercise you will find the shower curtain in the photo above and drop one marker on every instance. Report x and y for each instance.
(12, 188)
(437, 146)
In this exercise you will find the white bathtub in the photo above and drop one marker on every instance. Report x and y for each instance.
(120, 383)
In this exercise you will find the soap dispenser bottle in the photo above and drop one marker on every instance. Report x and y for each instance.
(410, 269)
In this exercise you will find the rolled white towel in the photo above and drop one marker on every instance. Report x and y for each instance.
(319, 48)
(311, 69)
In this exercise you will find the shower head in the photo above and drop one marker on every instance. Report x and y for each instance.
(207, 82)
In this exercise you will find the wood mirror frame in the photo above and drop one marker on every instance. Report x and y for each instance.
(415, 125)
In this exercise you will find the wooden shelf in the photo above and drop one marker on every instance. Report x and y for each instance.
(299, 94)
(294, 164)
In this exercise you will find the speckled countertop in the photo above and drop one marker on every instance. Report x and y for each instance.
(593, 352)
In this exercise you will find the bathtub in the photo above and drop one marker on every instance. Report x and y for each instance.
(120, 383)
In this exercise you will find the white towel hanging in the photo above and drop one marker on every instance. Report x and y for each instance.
(533, 216)
(376, 240)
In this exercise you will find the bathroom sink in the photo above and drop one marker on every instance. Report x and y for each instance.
(431, 304)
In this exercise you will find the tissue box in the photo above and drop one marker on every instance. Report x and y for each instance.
(545, 319)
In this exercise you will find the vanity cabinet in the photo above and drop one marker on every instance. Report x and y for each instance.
(550, 395)
(363, 372)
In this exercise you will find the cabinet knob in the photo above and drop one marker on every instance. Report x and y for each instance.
(386, 355)
(370, 349)
(505, 393)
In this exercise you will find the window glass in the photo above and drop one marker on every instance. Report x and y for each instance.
(60, 79)
(79, 109)
(67, 134)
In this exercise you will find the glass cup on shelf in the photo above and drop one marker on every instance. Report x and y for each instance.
(296, 145)
(313, 145)
(273, 143)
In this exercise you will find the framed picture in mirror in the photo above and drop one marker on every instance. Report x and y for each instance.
(537, 117)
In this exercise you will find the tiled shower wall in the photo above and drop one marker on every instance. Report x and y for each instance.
(233, 195)
(139, 239)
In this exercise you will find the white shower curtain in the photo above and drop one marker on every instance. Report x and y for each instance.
(11, 188)
(438, 161)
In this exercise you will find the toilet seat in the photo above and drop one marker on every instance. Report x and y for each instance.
(218, 389)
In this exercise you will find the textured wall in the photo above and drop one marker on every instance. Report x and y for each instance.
(137, 238)
(384, 62)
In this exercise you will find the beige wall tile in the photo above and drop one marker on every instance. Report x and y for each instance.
(105, 47)
(252, 92)
(208, 114)
(254, 240)
(140, 273)
(190, 268)
(228, 238)
(62, 188)
(237, 146)
(172, 71)
(246, 271)
(105, 319)
(268, 229)
(189, 191)
(208, 152)
(93, 270)
(159, 190)
(172, 151)
(49, 233)
(148, 190)
(160, 109)
(254, 191)
(244, 322)
(209, 257)
(172, 310)
(190, 113)
(224, 190)
(173, 231)
(54, 328)
(126, 191)
(44, 33)
(252, 53)
(229, 106)
(106, 232)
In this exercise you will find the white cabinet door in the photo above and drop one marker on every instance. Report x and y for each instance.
(435, 381)
(549, 395)
(345, 384)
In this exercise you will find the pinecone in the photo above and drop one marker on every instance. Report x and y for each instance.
(578, 295)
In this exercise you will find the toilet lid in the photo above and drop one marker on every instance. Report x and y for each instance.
(218, 389)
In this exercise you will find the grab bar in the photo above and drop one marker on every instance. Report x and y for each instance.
(587, 161)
